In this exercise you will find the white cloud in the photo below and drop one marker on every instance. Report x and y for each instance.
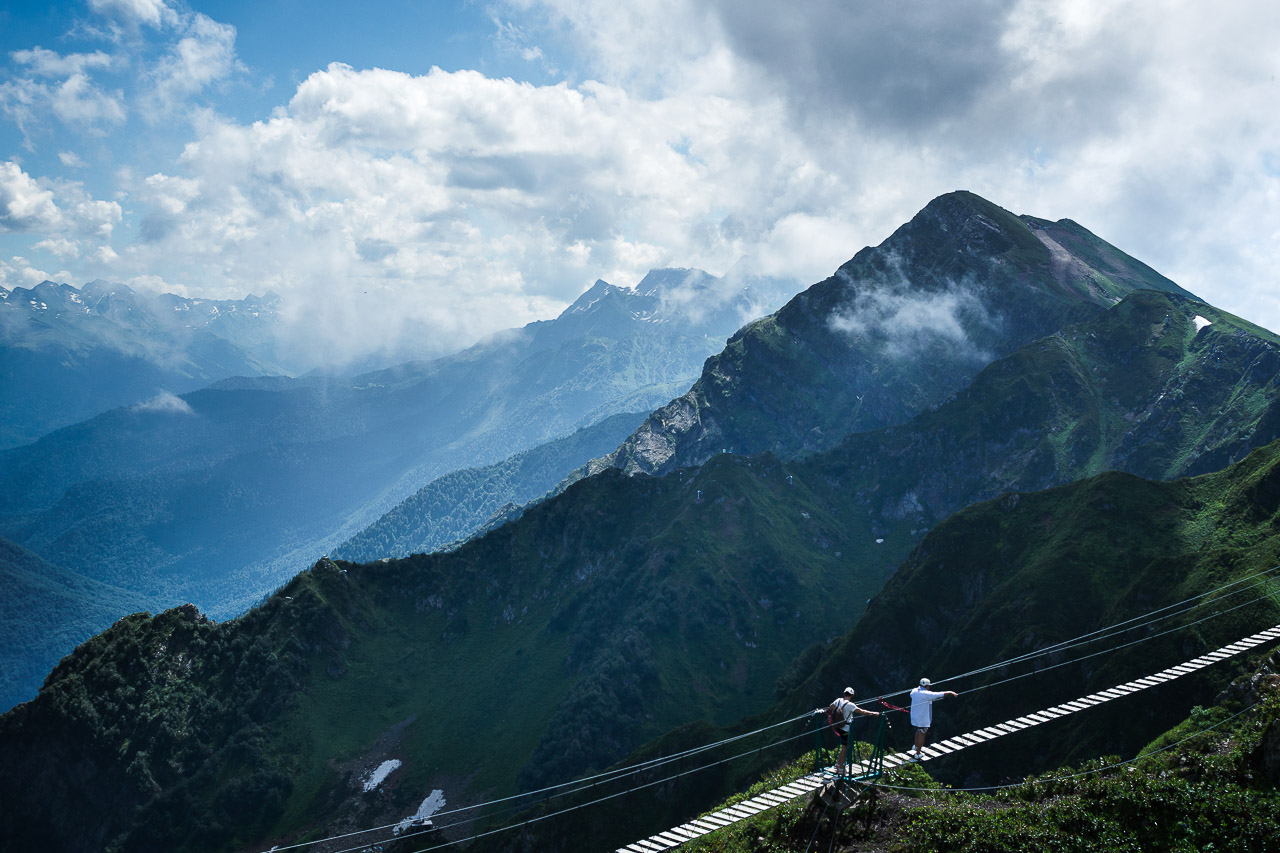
(72, 160)
(18, 272)
(157, 74)
(203, 56)
(31, 206)
(1148, 127)
(903, 322)
(77, 100)
(165, 403)
(24, 204)
(459, 204)
(105, 255)
(152, 13)
(777, 140)
(59, 246)
(46, 63)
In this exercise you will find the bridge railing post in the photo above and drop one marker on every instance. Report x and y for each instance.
(817, 743)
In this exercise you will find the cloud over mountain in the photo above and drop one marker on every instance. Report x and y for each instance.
(445, 204)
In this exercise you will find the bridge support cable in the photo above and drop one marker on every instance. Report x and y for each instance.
(670, 839)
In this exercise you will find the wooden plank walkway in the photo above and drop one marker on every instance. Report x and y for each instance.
(676, 836)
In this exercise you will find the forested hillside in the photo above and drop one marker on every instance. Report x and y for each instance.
(998, 581)
(452, 507)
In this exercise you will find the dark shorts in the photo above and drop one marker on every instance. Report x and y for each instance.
(844, 736)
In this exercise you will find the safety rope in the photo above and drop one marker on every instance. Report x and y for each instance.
(1037, 780)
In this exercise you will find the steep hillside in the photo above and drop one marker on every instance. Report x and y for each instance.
(896, 330)
(670, 600)
(452, 507)
(1000, 580)
(1160, 385)
(45, 611)
(218, 496)
(69, 353)
(358, 664)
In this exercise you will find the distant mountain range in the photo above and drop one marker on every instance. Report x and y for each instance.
(217, 496)
(68, 353)
(626, 608)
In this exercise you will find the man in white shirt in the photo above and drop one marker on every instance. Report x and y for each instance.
(842, 711)
(922, 699)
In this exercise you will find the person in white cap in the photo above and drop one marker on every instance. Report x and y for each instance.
(922, 699)
(842, 711)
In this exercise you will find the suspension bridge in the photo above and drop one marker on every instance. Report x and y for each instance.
(871, 768)
(858, 770)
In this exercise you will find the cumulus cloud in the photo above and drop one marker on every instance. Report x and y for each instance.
(459, 202)
(59, 246)
(61, 212)
(182, 55)
(24, 204)
(1142, 125)
(74, 100)
(19, 272)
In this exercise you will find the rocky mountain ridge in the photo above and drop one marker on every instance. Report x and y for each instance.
(896, 330)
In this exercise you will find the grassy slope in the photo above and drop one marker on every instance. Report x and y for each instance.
(1004, 577)
(561, 609)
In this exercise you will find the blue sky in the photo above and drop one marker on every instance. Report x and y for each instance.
(443, 169)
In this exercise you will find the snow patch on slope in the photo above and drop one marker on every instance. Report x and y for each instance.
(378, 776)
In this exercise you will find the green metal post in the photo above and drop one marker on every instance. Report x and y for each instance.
(817, 743)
